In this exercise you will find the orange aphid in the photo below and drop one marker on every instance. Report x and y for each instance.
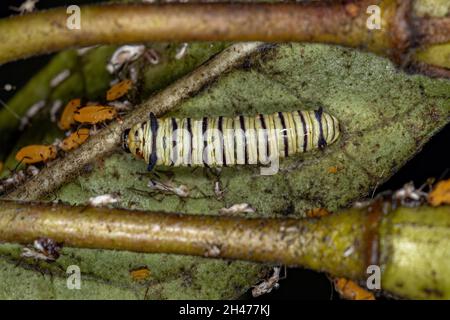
(350, 290)
(75, 140)
(36, 153)
(317, 213)
(140, 274)
(66, 119)
(94, 114)
(119, 90)
(333, 169)
(440, 194)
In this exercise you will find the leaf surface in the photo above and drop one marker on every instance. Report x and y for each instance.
(386, 116)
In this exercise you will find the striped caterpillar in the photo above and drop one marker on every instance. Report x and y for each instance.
(223, 141)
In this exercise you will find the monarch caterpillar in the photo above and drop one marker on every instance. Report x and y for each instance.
(223, 141)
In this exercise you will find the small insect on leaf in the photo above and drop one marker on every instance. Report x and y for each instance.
(167, 187)
(333, 169)
(119, 90)
(124, 55)
(75, 140)
(36, 154)
(409, 196)
(140, 274)
(440, 194)
(317, 213)
(26, 7)
(351, 291)
(267, 285)
(67, 119)
(103, 200)
(94, 114)
(237, 208)
(45, 249)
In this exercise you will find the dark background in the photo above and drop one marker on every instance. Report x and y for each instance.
(432, 161)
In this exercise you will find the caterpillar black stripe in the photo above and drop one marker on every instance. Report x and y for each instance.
(222, 141)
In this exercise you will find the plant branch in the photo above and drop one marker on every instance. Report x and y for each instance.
(432, 30)
(409, 244)
(327, 22)
(108, 139)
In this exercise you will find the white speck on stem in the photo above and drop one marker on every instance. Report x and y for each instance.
(32, 111)
(59, 78)
(181, 51)
(54, 110)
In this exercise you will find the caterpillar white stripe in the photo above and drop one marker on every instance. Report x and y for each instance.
(222, 141)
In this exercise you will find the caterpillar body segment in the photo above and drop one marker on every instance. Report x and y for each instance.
(223, 141)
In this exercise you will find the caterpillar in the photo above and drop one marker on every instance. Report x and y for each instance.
(223, 141)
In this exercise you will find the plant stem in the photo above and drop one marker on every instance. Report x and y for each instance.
(328, 22)
(410, 245)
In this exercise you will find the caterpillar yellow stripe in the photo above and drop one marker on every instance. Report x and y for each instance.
(222, 141)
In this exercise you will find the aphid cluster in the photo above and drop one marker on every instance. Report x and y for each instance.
(222, 141)
(76, 120)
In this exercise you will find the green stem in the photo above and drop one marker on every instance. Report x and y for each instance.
(410, 245)
(335, 22)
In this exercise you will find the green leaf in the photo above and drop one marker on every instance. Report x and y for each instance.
(386, 117)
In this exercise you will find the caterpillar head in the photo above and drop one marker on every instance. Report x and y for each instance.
(133, 140)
